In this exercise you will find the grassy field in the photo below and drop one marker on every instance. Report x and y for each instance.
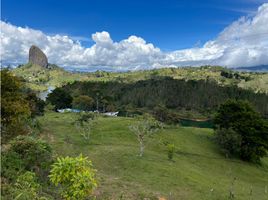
(199, 171)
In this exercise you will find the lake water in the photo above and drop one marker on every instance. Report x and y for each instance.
(199, 124)
(43, 95)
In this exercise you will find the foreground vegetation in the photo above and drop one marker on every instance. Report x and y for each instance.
(198, 171)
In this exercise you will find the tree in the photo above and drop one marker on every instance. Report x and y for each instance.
(229, 140)
(203, 96)
(83, 102)
(36, 104)
(144, 127)
(84, 124)
(75, 175)
(241, 130)
(104, 102)
(60, 99)
(162, 114)
(14, 106)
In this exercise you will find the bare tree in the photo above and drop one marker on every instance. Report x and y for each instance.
(84, 128)
(143, 128)
(84, 125)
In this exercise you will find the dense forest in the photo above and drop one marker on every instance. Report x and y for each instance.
(203, 96)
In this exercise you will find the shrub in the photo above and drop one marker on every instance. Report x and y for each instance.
(35, 153)
(85, 117)
(26, 187)
(11, 165)
(171, 151)
(75, 175)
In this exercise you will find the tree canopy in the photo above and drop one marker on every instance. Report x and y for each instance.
(83, 102)
(241, 130)
(60, 99)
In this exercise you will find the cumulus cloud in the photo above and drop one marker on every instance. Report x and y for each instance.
(243, 43)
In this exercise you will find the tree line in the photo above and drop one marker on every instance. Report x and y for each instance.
(203, 96)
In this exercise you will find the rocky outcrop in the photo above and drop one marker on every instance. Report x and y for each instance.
(37, 57)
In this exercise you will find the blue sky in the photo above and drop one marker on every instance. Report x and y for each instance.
(169, 24)
(140, 34)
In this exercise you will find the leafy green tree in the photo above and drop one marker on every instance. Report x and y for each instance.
(15, 108)
(229, 140)
(83, 102)
(75, 175)
(36, 104)
(241, 130)
(144, 127)
(60, 99)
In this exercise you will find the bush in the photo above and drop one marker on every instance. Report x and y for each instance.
(241, 130)
(11, 165)
(86, 117)
(75, 175)
(26, 187)
(171, 151)
(35, 153)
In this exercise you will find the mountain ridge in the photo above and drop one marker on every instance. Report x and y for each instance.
(39, 78)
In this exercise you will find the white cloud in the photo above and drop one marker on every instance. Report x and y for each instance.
(243, 43)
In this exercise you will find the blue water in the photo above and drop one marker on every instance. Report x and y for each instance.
(199, 124)
(43, 95)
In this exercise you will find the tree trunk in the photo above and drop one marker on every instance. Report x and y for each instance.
(141, 148)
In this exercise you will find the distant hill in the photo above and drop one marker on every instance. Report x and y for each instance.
(40, 78)
(259, 68)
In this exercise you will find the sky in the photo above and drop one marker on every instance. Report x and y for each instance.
(130, 35)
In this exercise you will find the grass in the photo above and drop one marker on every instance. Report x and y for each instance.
(199, 170)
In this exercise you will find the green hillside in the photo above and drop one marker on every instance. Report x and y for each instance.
(199, 170)
(39, 78)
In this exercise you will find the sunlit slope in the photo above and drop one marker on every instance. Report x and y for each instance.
(39, 78)
(199, 170)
